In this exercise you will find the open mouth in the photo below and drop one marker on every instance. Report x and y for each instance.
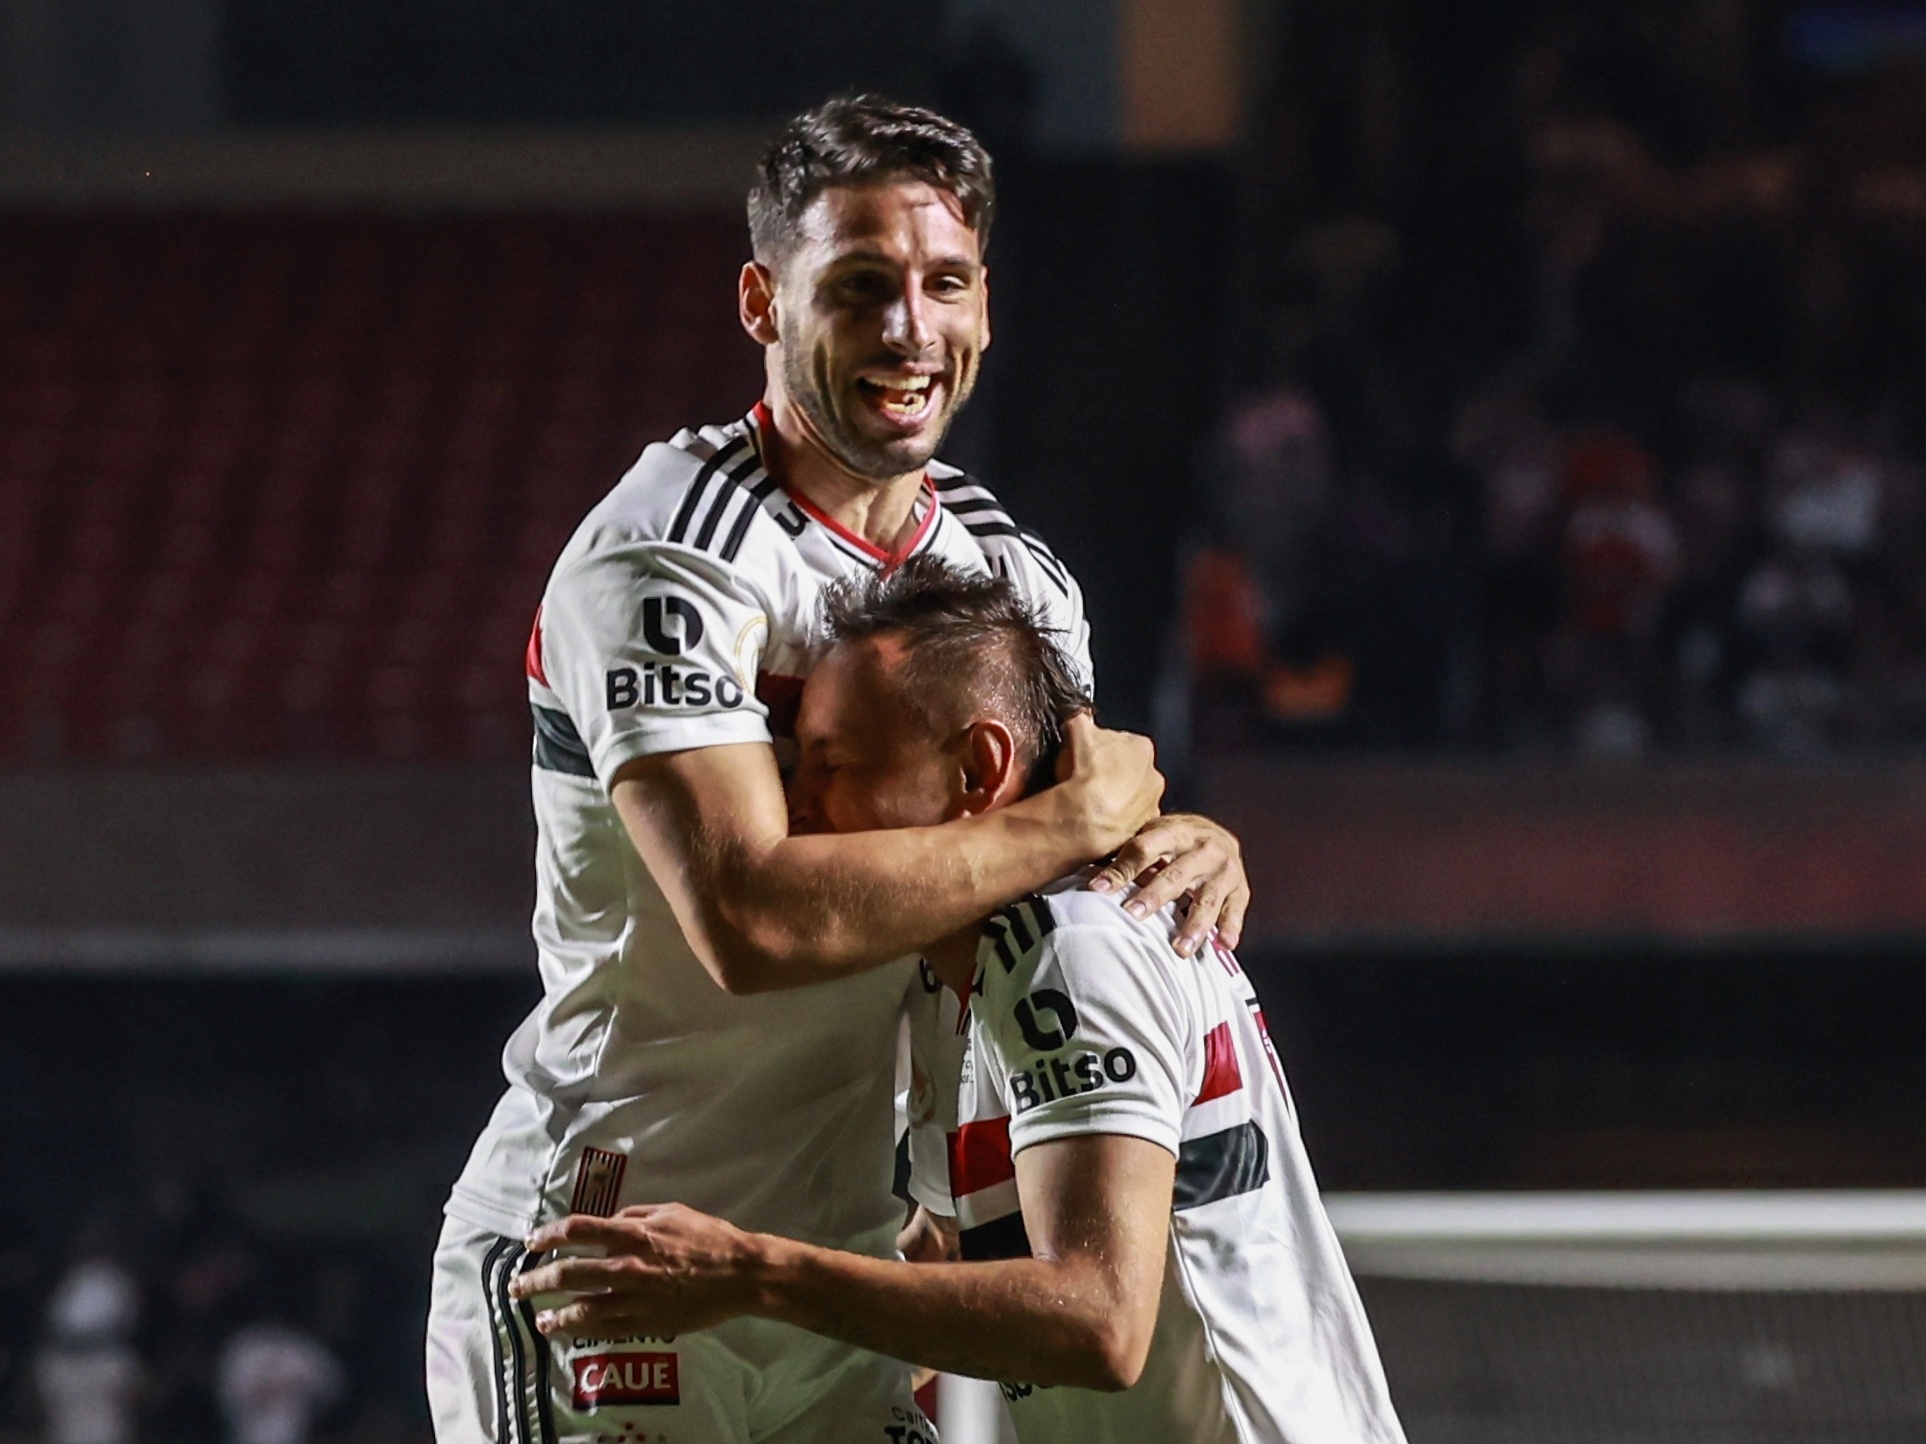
(904, 400)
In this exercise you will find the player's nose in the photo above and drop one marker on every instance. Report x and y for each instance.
(804, 815)
(906, 325)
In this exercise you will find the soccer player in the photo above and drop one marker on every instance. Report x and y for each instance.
(721, 998)
(1136, 1209)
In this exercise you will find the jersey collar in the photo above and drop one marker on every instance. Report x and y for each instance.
(760, 420)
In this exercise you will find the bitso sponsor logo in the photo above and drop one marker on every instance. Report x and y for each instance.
(613, 1380)
(672, 627)
(660, 685)
(1047, 1036)
(1055, 1078)
(671, 642)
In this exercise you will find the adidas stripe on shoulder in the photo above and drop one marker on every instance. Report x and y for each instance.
(720, 504)
(982, 515)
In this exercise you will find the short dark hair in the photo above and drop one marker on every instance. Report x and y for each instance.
(970, 641)
(861, 140)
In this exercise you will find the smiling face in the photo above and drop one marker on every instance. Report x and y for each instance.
(881, 318)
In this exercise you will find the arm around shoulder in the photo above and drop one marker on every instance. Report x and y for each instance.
(764, 909)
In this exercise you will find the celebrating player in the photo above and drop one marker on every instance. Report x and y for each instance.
(1122, 1157)
(672, 901)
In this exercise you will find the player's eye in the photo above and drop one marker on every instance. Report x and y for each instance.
(865, 286)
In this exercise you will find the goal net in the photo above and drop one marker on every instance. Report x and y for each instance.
(1654, 1317)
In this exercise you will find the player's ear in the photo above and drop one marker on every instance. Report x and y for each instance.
(756, 303)
(991, 777)
(983, 328)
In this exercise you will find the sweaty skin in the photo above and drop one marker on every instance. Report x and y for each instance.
(884, 290)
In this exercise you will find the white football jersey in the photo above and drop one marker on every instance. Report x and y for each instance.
(684, 613)
(1084, 1020)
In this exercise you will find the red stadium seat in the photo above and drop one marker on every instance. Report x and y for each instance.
(293, 483)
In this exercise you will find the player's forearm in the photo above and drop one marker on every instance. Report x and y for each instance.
(1032, 1321)
(808, 908)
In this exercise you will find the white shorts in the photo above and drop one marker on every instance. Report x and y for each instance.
(492, 1379)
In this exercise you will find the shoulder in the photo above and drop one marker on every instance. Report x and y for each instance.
(698, 498)
(1068, 927)
(1010, 548)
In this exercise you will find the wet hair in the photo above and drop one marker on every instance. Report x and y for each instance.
(862, 140)
(972, 647)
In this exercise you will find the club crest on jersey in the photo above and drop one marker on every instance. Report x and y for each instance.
(625, 1380)
(598, 1182)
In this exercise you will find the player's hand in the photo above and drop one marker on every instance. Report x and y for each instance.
(1189, 857)
(666, 1269)
(1110, 779)
(929, 1238)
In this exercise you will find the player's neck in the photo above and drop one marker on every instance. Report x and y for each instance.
(953, 959)
(882, 513)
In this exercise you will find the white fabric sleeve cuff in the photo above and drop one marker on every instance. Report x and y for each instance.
(1079, 1119)
(652, 736)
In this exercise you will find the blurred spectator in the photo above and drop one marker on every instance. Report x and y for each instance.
(1797, 606)
(1503, 440)
(208, 1274)
(1269, 490)
(274, 1382)
(86, 1372)
(1269, 483)
(1634, 299)
(1621, 556)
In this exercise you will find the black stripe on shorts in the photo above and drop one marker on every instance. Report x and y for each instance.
(525, 1413)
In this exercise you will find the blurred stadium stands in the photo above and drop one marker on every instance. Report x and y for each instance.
(289, 486)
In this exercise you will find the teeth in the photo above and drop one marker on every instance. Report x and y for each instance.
(900, 383)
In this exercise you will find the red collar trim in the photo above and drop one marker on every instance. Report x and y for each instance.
(765, 423)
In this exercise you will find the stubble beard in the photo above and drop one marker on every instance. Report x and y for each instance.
(872, 460)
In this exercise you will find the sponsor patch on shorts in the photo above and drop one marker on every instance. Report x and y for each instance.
(604, 1381)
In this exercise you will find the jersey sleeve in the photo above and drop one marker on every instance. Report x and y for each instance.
(654, 648)
(1089, 1035)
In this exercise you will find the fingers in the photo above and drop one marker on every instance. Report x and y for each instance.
(566, 1276)
(1079, 735)
(580, 1229)
(590, 1318)
(1230, 927)
(1200, 918)
(1183, 858)
(1189, 875)
(1150, 848)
